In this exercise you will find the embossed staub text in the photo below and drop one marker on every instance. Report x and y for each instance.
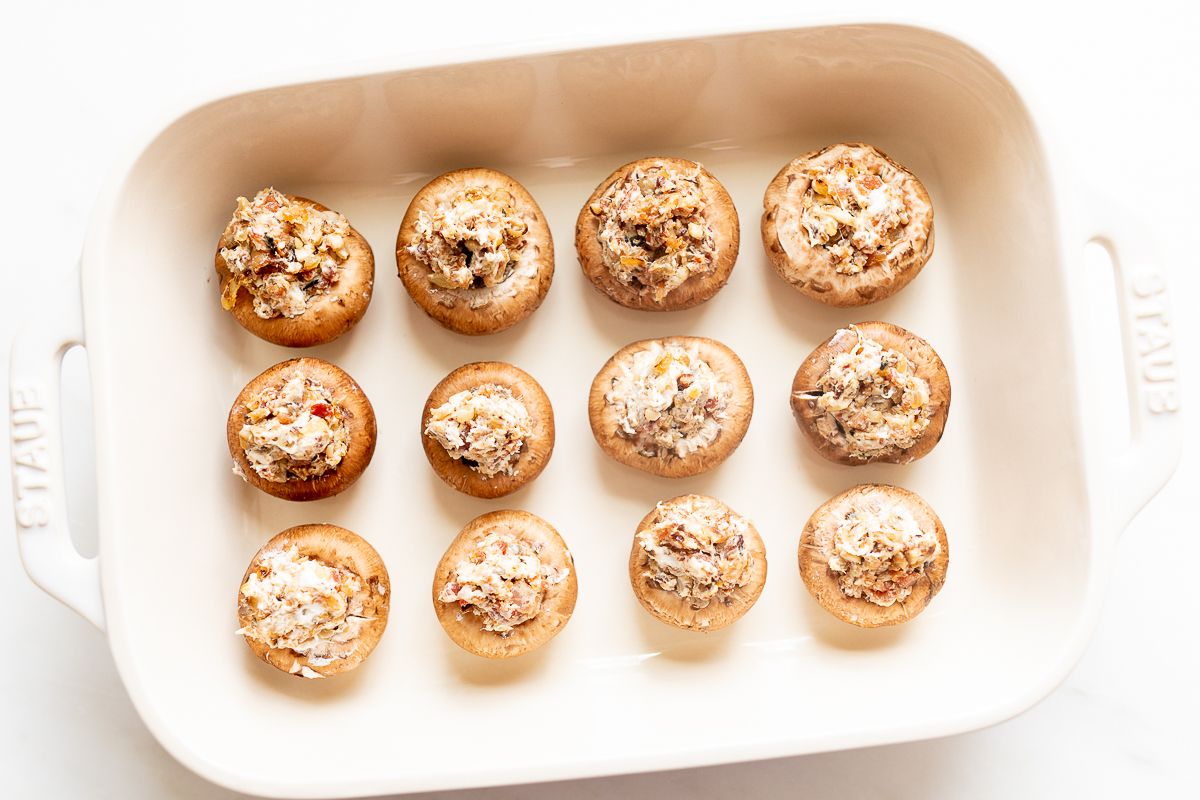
(30, 455)
(1154, 342)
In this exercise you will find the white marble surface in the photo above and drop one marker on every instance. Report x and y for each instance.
(79, 79)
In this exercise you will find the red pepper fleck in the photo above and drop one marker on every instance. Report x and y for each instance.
(321, 410)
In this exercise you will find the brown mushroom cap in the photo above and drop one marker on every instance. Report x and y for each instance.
(359, 421)
(926, 364)
(336, 547)
(329, 315)
(811, 269)
(724, 609)
(466, 629)
(815, 550)
(452, 308)
(538, 447)
(720, 213)
(724, 362)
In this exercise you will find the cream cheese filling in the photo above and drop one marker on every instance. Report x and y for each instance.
(696, 550)
(294, 431)
(654, 231)
(304, 605)
(486, 427)
(502, 581)
(284, 253)
(880, 553)
(668, 400)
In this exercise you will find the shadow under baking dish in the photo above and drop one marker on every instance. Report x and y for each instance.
(1007, 482)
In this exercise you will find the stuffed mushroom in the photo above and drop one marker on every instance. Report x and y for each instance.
(874, 555)
(505, 586)
(672, 407)
(696, 563)
(658, 234)
(314, 601)
(301, 430)
(292, 271)
(474, 251)
(487, 429)
(846, 225)
(872, 392)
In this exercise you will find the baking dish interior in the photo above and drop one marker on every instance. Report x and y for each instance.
(617, 690)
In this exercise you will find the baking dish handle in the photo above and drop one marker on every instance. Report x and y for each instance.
(1134, 475)
(35, 437)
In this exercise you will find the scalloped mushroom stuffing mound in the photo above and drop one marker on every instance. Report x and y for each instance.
(871, 400)
(697, 550)
(879, 552)
(303, 605)
(874, 555)
(301, 430)
(487, 429)
(505, 586)
(853, 211)
(474, 251)
(292, 271)
(872, 392)
(672, 407)
(658, 234)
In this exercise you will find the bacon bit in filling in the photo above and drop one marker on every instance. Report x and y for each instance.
(486, 427)
(854, 212)
(880, 553)
(305, 605)
(294, 431)
(872, 400)
(503, 581)
(653, 230)
(668, 400)
(474, 241)
(697, 549)
(285, 253)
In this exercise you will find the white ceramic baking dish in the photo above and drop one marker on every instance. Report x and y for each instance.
(1032, 493)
